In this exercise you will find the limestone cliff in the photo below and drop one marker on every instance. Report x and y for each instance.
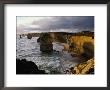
(84, 68)
(81, 45)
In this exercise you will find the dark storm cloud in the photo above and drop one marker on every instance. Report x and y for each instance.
(59, 23)
(70, 22)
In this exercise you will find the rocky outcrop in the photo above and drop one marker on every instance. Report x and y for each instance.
(38, 40)
(27, 67)
(84, 68)
(66, 47)
(88, 48)
(46, 48)
(29, 36)
(81, 46)
(46, 42)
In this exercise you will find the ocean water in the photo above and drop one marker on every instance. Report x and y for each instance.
(56, 63)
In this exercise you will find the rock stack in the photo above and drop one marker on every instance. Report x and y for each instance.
(46, 42)
(29, 36)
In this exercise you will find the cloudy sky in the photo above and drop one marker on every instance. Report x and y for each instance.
(54, 24)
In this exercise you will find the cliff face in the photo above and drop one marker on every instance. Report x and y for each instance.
(59, 37)
(88, 48)
(78, 44)
(84, 68)
(81, 45)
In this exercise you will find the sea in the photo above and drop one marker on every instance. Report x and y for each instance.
(58, 62)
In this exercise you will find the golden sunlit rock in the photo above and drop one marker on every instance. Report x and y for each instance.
(84, 68)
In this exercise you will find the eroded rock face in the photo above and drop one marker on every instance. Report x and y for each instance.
(88, 50)
(46, 42)
(84, 68)
(81, 46)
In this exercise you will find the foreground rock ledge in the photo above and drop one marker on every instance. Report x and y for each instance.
(27, 67)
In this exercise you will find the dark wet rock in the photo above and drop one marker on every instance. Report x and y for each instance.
(46, 42)
(56, 52)
(20, 36)
(27, 67)
(38, 40)
(29, 36)
(46, 47)
(55, 72)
